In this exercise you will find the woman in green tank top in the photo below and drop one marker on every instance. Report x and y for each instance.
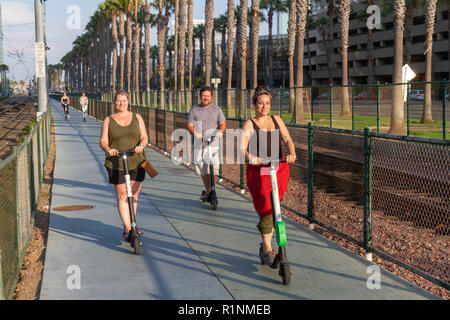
(124, 130)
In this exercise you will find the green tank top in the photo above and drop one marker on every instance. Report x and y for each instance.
(124, 138)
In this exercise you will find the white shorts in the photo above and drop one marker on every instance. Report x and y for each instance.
(202, 168)
(84, 107)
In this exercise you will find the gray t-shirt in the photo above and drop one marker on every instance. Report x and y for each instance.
(209, 118)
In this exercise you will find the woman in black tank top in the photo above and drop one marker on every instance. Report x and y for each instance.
(258, 183)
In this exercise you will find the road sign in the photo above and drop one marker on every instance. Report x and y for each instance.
(40, 59)
(407, 75)
(216, 82)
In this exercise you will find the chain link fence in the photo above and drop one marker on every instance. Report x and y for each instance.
(21, 175)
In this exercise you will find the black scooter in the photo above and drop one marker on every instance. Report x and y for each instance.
(133, 237)
(212, 198)
(66, 110)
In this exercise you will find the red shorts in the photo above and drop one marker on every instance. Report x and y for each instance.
(260, 186)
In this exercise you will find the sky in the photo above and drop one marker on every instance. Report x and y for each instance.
(65, 20)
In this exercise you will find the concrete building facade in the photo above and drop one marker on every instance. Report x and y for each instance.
(316, 57)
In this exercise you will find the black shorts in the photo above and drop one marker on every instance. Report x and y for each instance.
(118, 177)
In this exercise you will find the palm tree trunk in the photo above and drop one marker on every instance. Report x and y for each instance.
(129, 49)
(270, 49)
(292, 32)
(209, 26)
(344, 13)
(430, 12)
(190, 51)
(175, 53)
(255, 41)
(182, 49)
(230, 50)
(302, 10)
(122, 55)
(181, 67)
(162, 38)
(147, 45)
(243, 56)
(397, 113)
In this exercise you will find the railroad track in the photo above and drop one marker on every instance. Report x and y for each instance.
(15, 114)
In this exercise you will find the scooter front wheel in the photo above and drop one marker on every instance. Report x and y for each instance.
(285, 272)
(136, 246)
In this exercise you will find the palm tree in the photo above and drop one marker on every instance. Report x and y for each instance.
(243, 55)
(397, 125)
(302, 12)
(344, 16)
(209, 26)
(254, 30)
(190, 50)
(430, 13)
(272, 6)
(175, 48)
(121, 9)
(230, 50)
(163, 20)
(137, 47)
(182, 48)
(129, 36)
(292, 31)
(148, 19)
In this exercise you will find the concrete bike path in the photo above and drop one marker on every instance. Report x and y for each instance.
(189, 251)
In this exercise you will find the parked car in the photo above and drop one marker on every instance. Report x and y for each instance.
(417, 95)
(361, 96)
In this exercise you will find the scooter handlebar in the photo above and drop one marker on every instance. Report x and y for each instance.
(265, 161)
(126, 151)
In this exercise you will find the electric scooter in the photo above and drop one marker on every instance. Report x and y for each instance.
(83, 110)
(212, 198)
(280, 261)
(66, 110)
(133, 237)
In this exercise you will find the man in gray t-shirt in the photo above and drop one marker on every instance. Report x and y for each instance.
(204, 121)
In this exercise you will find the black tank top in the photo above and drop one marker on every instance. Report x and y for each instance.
(269, 138)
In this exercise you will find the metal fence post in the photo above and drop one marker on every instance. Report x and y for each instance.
(407, 109)
(311, 175)
(156, 128)
(444, 94)
(241, 166)
(353, 106)
(281, 112)
(378, 106)
(164, 131)
(367, 232)
(331, 105)
(2, 296)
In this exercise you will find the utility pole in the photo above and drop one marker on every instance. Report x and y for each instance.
(40, 57)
